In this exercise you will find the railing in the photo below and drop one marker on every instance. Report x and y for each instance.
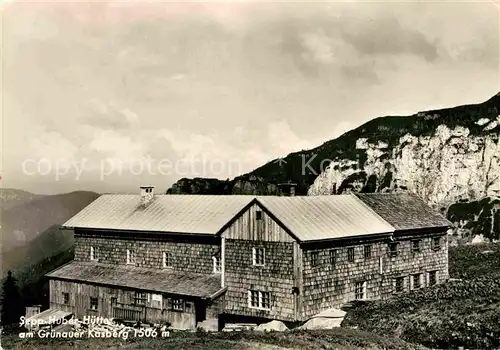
(127, 314)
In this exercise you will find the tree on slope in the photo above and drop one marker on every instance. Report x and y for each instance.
(12, 308)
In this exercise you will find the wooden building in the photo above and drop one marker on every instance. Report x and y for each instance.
(183, 259)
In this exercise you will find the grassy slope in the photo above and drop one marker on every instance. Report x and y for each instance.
(460, 313)
(341, 338)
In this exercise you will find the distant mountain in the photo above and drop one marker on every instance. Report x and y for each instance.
(449, 157)
(10, 197)
(30, 225)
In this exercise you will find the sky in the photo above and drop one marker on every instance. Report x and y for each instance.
(110, 95)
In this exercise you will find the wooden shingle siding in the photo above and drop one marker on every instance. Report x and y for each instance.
(276, 277)
(185, 256)
(408, 262)
(329, 285)
(248, 227)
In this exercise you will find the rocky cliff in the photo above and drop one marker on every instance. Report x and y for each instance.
(250, 184)
(450, 157)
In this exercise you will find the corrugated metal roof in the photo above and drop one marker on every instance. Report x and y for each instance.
(307, 217)
(197, 214)
(404, 210)
(155, 280)
(312, 218)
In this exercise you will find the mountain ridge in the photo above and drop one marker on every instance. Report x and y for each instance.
(382, 155)
(30, 224)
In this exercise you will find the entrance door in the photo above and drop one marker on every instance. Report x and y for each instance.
(200, 310)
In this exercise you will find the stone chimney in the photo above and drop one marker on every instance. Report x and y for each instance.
(147, 194)
(287, 189)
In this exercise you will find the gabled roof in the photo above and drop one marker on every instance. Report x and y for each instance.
(314, 218)
(307, 218)
(404, 210)
(154, 280)
(194, 214)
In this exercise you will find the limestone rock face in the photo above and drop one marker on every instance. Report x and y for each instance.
(444, 168)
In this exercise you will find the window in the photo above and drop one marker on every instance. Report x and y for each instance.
(368, 251)
(65, 298)
(216, 262)
(360, 291)
(258, 215)
(399, 283)
(130, 256)
(436, 243)
(114, 301)
(260, 225)
(167, 259)
(432, 278)
(314, 258)
(333, 256)
(258, 256)
(416, 281)
(415, 245)
(393, 249)
(93, 253)
(140, 298)
(94, 303)
(178, 305)
(258, 299)
(266, 300)
(254, 298)
(350, 255)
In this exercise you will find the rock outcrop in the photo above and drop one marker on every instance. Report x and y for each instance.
(250, 185)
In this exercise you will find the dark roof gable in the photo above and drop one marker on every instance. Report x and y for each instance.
(404, 210)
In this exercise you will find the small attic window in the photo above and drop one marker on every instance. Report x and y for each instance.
(258, 215)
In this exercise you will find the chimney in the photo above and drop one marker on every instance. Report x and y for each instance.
(287, 189)
(147, 194)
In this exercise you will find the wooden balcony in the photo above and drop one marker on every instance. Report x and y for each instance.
(128, 312)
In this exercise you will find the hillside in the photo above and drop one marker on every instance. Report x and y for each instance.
(461, 313)
(339, 338)
(10, 197)
(30, 225)
(450, 157)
